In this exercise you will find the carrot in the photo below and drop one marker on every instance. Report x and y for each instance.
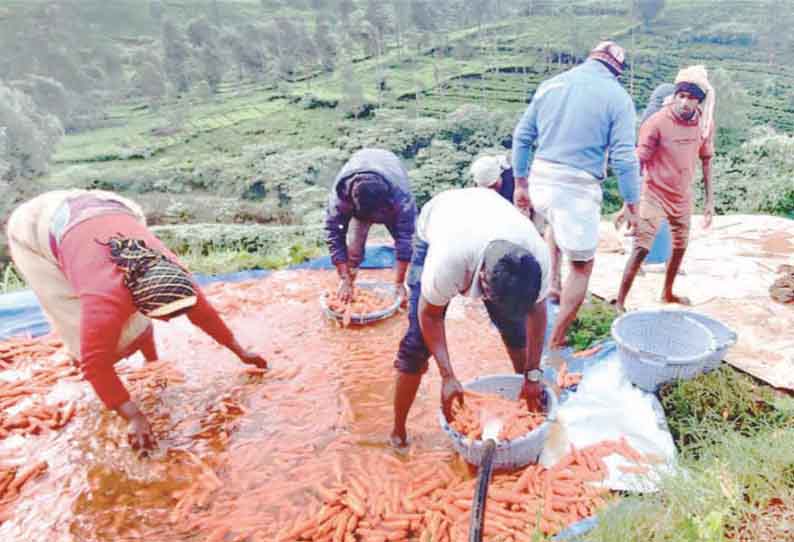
(427, 488)
(355, 505)
(341, 526)
(218, 535)
(26, 474)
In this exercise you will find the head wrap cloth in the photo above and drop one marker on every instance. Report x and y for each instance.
(159, 287)
(698, 76)
(611, 54)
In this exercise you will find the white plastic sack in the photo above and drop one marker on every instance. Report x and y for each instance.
(607, 406)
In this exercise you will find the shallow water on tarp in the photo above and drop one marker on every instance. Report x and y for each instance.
(256, 446)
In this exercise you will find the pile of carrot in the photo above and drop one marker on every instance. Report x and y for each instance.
(14, 349)
(477, 408)
(40, 382)
(364, 302)
(221, 419)
(427, 500)
(12, 479)
(155, 374)
(37, 419)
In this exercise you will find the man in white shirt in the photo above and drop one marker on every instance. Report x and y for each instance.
(472, 242)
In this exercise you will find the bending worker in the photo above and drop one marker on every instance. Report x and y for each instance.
(371, 188)
(475, 243)
(100, 275)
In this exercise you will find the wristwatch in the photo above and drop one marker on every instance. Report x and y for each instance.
(534, 375)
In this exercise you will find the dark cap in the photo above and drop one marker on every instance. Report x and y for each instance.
(692, 89)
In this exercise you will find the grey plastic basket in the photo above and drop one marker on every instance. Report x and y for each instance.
(724, 338)
(358, 319)
(512, 454)
(658, 346)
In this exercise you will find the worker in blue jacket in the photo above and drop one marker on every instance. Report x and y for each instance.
(574, 121)
(371, 188)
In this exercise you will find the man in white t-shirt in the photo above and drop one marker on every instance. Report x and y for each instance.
(472, 242)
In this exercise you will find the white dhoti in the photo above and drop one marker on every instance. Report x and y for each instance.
(569, 200)
(29, 232)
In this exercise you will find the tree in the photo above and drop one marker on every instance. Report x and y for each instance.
(346, 9)
(326, 46)
(775, 38)
(200, 32)
(216, 12)
(50, 96)
(213, 65)
(402, 22)
(156, 10)
(352, 93)
(149, 82)
(424, 18)
(648, 10)
(732, 104)
(378, 15)
(109, 59)
(176, 57)
(29, 136)
(248, 50)
(290, 43)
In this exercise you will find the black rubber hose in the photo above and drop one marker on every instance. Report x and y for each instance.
(481, 495)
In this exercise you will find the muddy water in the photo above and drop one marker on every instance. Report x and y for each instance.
(255, 446)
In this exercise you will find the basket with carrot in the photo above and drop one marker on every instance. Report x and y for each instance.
(372, 301)
(522, 434)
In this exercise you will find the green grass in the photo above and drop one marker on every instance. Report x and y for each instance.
(725, 399)
(11, 280)
(593, 323)
(735, 438)
(229, 261)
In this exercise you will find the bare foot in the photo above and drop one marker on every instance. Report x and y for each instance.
(398, 442)
(672, 298)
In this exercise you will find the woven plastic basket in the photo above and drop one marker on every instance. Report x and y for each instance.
(511, 454)
(724, 338)
(363, 319)
(658, 346)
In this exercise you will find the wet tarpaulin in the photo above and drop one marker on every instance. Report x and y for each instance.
(727, 272)
(279, 443)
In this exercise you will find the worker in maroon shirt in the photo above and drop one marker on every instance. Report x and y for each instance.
(100, 276)
(671, 142)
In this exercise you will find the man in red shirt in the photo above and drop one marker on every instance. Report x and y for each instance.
(100, 275)
(670, 143)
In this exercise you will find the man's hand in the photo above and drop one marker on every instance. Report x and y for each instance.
(532, 393)
(139, 433)
(708, 216)
(345, 291)
(521, 199)
(620, 218)
(450, 390)
(252, 358)
(629, 215)
(402, 293)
